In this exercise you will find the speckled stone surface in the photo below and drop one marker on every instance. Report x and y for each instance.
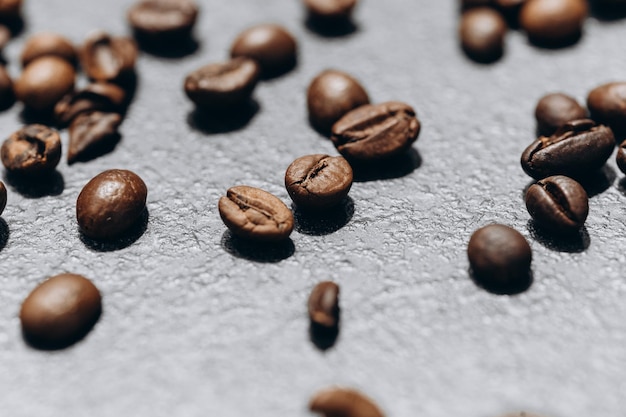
(196, 324)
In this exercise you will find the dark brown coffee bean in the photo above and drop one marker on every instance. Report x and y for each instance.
(10, 9)
(60, 311)
(91, 134)
(556, 109)
(607, 105)
(270, 45)
(621, 157)
(47, 44)
(99, 96)
(108, 58)
(344, 402)
(32, 150)
(482, 31)
(255, 214)
(7, 97)
(3, 197)
(324, 305)
(44, 82)
(558, 203)
(553, 21)
(110, 204)
(222, 85)
(577, 148)
(500, 258)
(330, 9)
(318, 181)
(163, 20)
(330, 96)
(376, 131)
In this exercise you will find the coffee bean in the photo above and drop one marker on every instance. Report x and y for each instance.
(575, 149)
(607, 105)
(255, 214)
(270, 45)
(553, 21)
(163, 20)
(621, 157)
(3, 197)
(330, 9)
(330, 96)
(47, 44)
(318, 181)
(60, 311)
(558, 204)
(482, 31)
(378, 131)
(556, 109)
(110, 204)
(324, 305)
(32, 150)
(44, 82)
(91, 134)
(108, 58)
(7, 97)
(5, 36)
(344, 402)
(500, 258)
(98, 96)
(223, 85)
(10, 9)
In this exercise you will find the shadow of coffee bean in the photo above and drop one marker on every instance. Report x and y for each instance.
(229, 120)
(323, 222)
(515, 287)
(323, 337)
(128, 238)
(168, 48)
(599, 181)
(4, 234)
(333, 28)
(607, 11)
(575, 242)
(49, 184)
(263, 252)
(395, 167)
(565, 42)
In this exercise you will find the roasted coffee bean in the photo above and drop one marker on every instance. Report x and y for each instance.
(344, 402)
(32, 150)
(376, 131)
(110, 204)
(621, 157)
(318, 181)
(108, 58)
(163, 20)
(255, 214)
(92, 133)
(324, 305)
(558, 203)
(47, 44)
(10, 9)
(500, 258)
(44, 82)
(99, 96)
(6, 89)
(553, 21)
(60, 311)
(482, 31)
(222, 85)
(270, 45)
(575, 149)
(556, 109)
(331, 95)
(607, 105)
(3, 197)
(330, 9)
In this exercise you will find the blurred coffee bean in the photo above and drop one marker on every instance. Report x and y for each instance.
(323, 305)
(482, 31)
(100, 96)
(107, 58)
(272, 46)
(344, 402)
(7, 97)
(10, 9)
(330, 10)
(163, 20)
(48, 44)
(607, 105)
(32, 150)
(553, 21)
(44, 82)
(556, 109)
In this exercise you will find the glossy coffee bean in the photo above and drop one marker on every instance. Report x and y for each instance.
(607, 105)
(344, 402)
(110, 204)
(500, 258)
(44, 82)
(318, 181)
(32, 150)
(621, 157)
(556, 109)
(60, 311)
(163, 20)
(48, 44)
(378, 131)
(91, 134)
(7, 97)
(3, 197)
(107, 58)
(330, 9)
(100, 96)
(255, 214)
(578, 147)
(331, 95)
(222, 85)
(271, 46)
(482, 31)
(553, 21)
(323, 305)
(558, 203)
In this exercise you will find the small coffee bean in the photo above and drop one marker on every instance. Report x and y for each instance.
(556, 109)
(255, 214)
(607, 105)
(44, 82)
(500, 258)
(318, 181)
(330, 9)
(270, 45)
(344, 402)
(60, 311)
(553, 21)
(324, 305)
(110, 204)
(330, 96)
(575, 149)
(558, 203)
(92, 133)
(163, 20)
(32, 150)
(10, 9)
(47, 44)
(98, 96)
(7, 97)
(621, 157)
(108, 58)
(3, 197)
(378, 131)
(482, 31)
(222, 85)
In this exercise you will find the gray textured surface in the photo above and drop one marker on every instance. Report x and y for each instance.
(192, 329)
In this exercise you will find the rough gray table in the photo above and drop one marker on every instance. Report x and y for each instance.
(196, 324)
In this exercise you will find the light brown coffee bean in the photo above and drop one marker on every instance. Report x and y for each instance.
(45, 44)
(324, 305)
(344, 402)
(32, 150)
(44, 82)
(108, 58)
